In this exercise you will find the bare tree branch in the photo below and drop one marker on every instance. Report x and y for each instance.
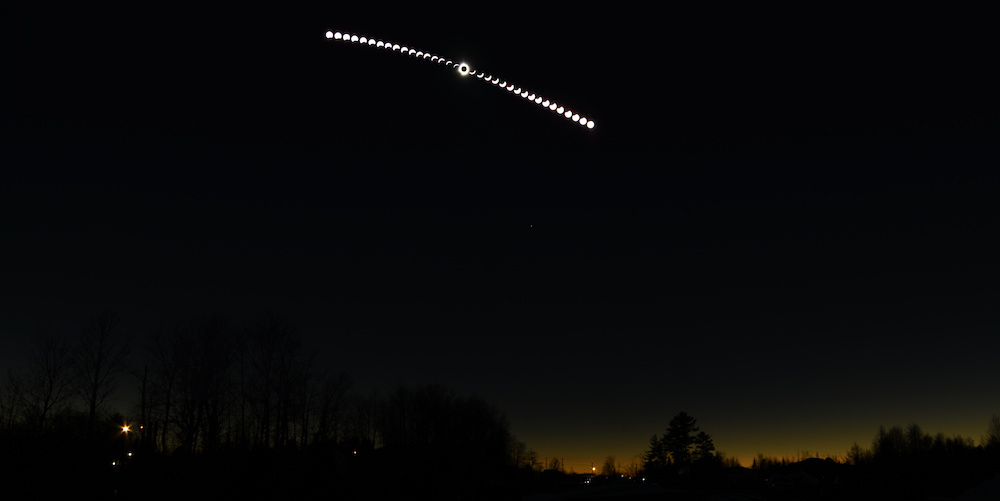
(100, 360)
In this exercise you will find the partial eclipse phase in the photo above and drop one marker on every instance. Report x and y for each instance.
(464, 70)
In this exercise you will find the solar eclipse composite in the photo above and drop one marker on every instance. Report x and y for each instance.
(465, 70)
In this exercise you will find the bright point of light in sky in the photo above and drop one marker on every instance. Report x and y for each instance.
(464, 70)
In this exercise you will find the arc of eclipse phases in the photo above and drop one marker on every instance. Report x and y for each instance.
(464, 70)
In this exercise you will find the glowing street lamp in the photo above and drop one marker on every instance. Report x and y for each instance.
(125, 430)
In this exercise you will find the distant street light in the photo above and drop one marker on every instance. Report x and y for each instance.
(125, 431)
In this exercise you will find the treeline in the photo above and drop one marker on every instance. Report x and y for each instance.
(433, 418)
(64, 381)
(901, 463)
(207, 384)
(911, 447)
(764, 461)
(899, 447)
(684, 448)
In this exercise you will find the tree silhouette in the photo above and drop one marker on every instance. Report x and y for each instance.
(678, 440)
(166, 352)
(727, 461)
(519, 454)
(363, 418)
(531, 459)
(203, 392)
(12, 400)
(332, 407)
(991, 440)
(917, 442)
(887, 446)
(100, 360)
(858, 456)
(50, 378)
(272, 366)
(609, 467)
(704, 447)
(656, 457)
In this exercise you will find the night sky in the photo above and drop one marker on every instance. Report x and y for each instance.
(783, 225)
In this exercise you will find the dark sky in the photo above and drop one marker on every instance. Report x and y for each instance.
(782, 224)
